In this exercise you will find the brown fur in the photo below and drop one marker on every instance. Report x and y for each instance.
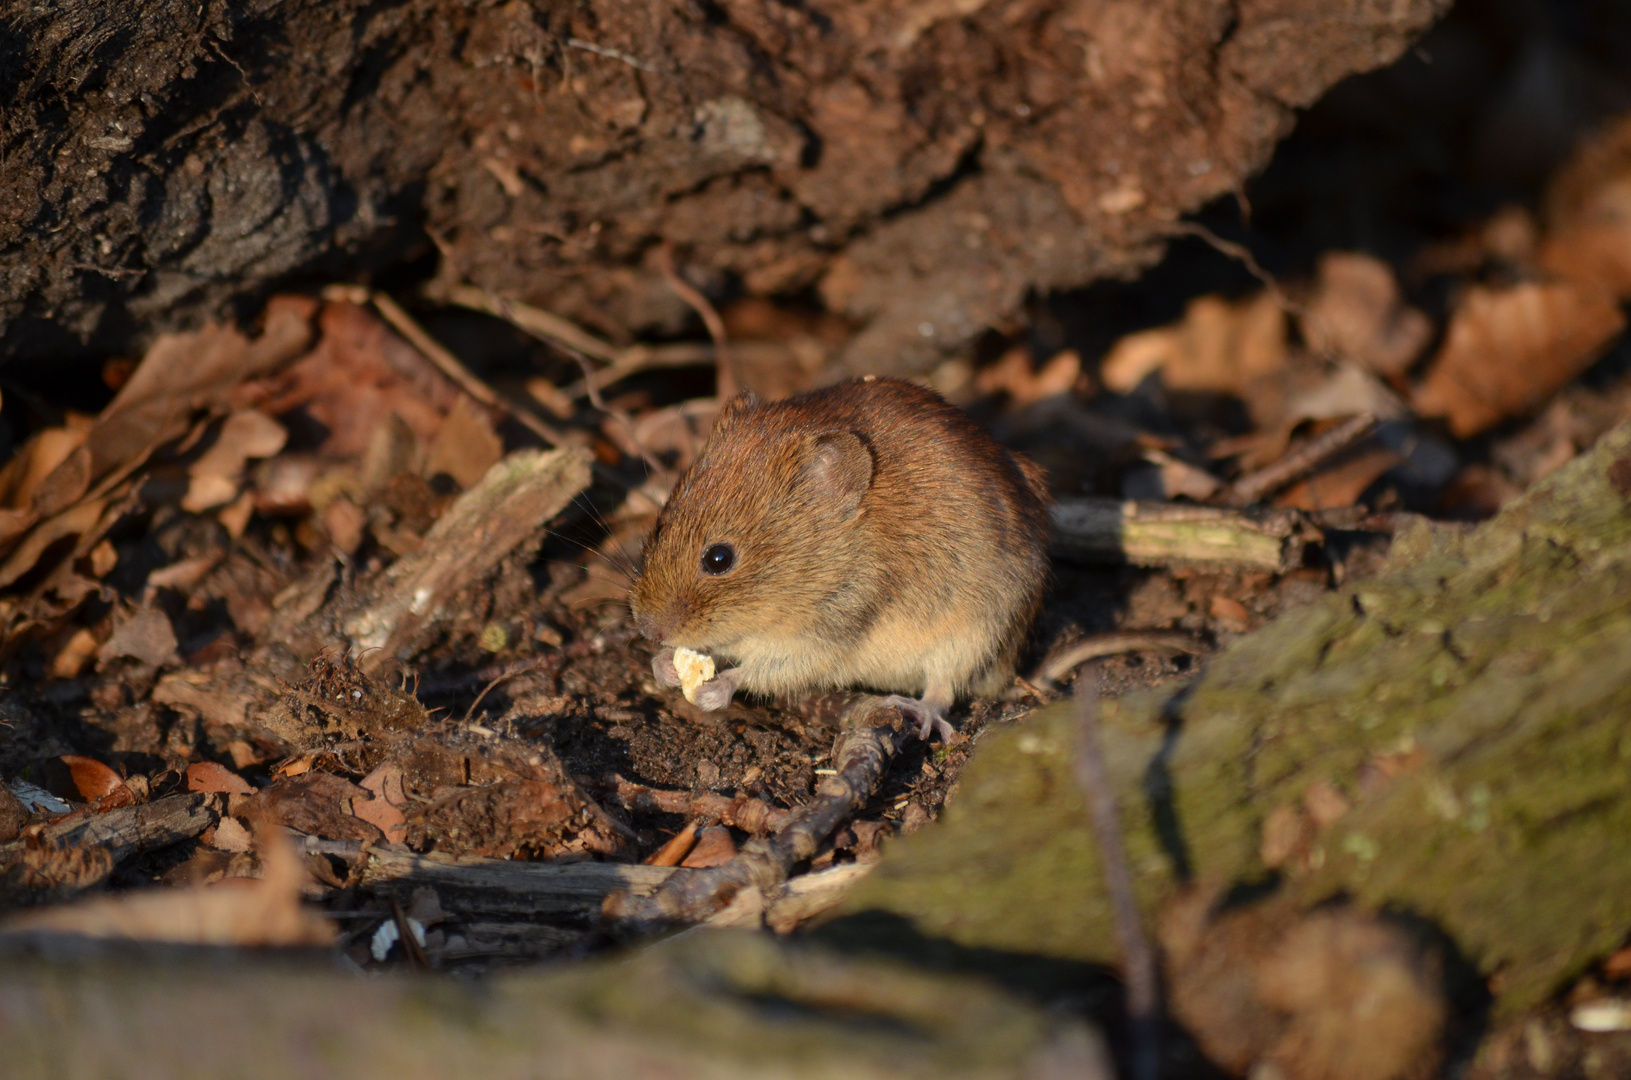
(883, 540)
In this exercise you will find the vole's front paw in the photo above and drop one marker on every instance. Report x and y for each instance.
(717, 692)
(662, 666)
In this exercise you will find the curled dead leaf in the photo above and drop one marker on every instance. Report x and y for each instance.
(90, 777)
(1357, 313)
(213, 777)
(1508, 350)
(1218, 347)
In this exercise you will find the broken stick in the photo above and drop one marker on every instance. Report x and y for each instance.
(865, 748)
(1159, 534)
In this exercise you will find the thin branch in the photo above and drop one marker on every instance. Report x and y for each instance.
(1243, 255)
(862, 756)
(450, 366)
(727, 383)
(611, 54)
(1253, 487)
(1137, 957)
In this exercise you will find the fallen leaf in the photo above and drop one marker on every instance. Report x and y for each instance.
(386, 782)
(245, 434)
(1162, 477)
(38, 458)
(1588, 214)
(382, 815)
(1341, 484)
(466, 446)
(184, 573)
(714, 847)
(676, 848)
(1013, 375)
(1230, 612)
(213, 777)
(319, 804)
(146, 636)
(90, 777)
(1508, 350)
(344, 523)
(357, 375)
(71, 658)
(1218, 347)
(1358, 314)
(230, 836)
(71, 522)
(237, 911)
(182, 373)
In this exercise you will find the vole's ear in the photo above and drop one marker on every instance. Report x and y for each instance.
(839, 469)
(734, 408)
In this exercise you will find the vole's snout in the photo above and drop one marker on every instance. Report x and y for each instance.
(647, 626)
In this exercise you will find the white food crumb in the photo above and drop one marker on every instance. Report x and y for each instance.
(694, 669)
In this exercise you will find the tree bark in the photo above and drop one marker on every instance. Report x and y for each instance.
(922, 167)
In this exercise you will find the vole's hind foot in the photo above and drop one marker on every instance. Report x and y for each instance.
(929, 715)
(662, 666)
(717, 692)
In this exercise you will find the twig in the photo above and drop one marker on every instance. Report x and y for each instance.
(1306, 458)
(726, 383)
(566, 335)
(862, 756)
(611, 54)
(502, 677)
(1243, 255)
(1064, 662)
(623, 418)
(743, 812)
(535, 321)
(1137, 958)
(450, 366)
(1160, 534)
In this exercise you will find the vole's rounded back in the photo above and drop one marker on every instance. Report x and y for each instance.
(867, 534)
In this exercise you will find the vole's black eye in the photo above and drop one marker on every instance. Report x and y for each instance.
(718, 558)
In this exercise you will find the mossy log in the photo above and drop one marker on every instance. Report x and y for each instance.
(1461, 720)
(719, 1005)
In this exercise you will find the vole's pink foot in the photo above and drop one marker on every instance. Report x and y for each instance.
(717, 692)
(662, 666)
(930, 716)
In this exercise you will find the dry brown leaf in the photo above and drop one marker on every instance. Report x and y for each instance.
(466, 446)
(1588, 214)
(246, 434)
(237, 911)
(714, 847)
(1341, 484)
(146, 636)
(1357, 313)
(90, 777)
(344, 523)
(676, 848)
(72, 657)
(38, 458)
(211, 776)
(1230, 612)
(1219, 347)
(1013, 375)
(71, 522)
(383, 816)
(182, 373)
(358, 375)
(1508, 350)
